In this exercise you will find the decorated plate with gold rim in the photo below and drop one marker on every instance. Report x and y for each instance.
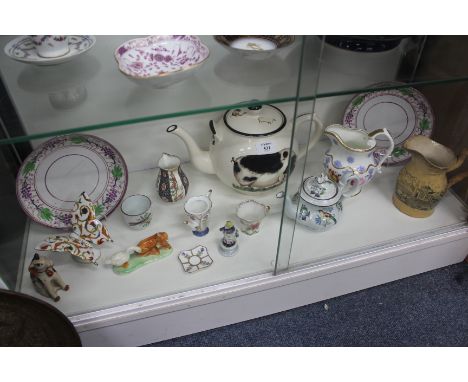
(53, 176)
(404, 112)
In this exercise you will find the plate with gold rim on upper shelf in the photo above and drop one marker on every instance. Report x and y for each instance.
(404, 112)
(53, 176)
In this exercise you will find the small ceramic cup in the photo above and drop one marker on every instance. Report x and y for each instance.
(197, 209)
(250, 214)
(136, 210)
(49, 46)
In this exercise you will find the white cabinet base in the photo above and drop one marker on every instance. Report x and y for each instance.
(207, 308)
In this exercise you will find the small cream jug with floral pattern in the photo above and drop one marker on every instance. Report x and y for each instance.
(355, 152)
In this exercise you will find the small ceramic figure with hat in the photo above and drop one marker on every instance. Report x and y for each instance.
(228, 245)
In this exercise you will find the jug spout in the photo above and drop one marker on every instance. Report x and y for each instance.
(349, 139)
(199, 158)
(168, 162)
(436, 156)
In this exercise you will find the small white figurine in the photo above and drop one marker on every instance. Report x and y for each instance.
(45, 278)
(121, 258)
(228, 244)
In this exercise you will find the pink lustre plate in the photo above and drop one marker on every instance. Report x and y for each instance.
(160, 61)
(404, 112)
(54, 175)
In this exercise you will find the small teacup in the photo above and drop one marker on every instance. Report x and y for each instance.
(136, 210)
(198, 209)
(250, 214)
(50, 46)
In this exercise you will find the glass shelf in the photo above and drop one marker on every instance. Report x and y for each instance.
(104, 97)
(89, 92)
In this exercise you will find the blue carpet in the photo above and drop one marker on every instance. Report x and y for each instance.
(430, 309)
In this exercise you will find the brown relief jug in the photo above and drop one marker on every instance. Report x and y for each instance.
(423, 182)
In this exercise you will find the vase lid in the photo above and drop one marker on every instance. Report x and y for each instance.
(320, 191)
(256, 121)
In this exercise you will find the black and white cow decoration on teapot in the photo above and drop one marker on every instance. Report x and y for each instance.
(262, 172)
(250, 148)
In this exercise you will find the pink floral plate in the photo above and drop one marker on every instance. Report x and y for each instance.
(160, 61)
(404, 112)
(54, 175)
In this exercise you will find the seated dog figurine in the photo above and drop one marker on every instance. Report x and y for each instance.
(45, 278)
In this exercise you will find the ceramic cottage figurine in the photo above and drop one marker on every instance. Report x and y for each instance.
(228, 244)
(45, 278)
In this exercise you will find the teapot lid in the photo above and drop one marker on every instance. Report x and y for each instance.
(320, 191)
(255, 121)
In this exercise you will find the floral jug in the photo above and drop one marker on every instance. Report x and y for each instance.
(172, 184)
(354, 152)
(423, 182)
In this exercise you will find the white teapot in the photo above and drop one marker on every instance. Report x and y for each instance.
(250, 147)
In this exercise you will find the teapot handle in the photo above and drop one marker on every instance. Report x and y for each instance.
(315, 136)
(384, 131)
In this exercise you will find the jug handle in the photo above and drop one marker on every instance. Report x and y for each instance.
(457, 178)
(461, 158)
(384, 131)
(315, 136)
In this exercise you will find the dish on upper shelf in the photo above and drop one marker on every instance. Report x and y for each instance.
(160, 61)
(257, 47)
(364, 44)
(22, 49)
(404, 112)
(53, 176)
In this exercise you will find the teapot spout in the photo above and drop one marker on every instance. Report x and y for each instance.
(200, 159)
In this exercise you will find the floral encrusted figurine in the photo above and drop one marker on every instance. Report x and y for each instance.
(228, 244)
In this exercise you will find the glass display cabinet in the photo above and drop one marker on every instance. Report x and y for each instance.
(237, 176)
